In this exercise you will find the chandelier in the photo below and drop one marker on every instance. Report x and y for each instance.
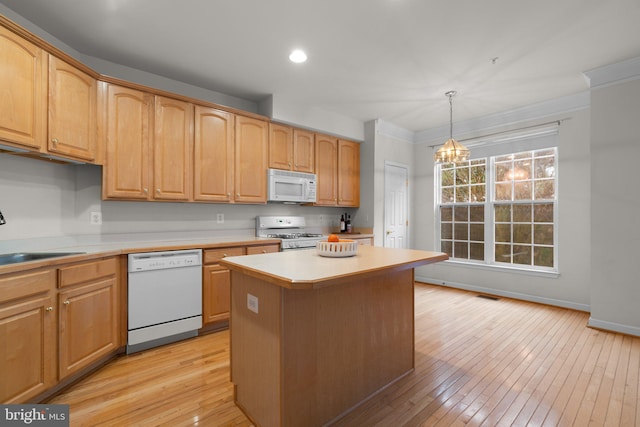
(452, 150)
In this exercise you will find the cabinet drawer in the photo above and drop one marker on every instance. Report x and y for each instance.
(214, 255)
(27, 283)
(262, 249)
(79, 273)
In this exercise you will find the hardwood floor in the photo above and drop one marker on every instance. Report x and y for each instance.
(478, 362)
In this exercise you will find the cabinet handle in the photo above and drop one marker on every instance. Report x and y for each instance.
(158, 190)
(228, 195)
(224, 255)
(67, 302)
(55, 141)
(237, 194)
(145, 190)
(264, 251)
(48, 309)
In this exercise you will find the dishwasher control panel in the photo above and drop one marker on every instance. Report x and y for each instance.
(164, 260)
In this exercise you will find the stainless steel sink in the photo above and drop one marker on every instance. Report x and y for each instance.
(6, 259)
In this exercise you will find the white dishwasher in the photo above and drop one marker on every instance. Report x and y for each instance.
(164, 297)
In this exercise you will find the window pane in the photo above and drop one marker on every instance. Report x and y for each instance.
(478, 193)
(460, 250)
(522, 190)
(543, 212)
(461, 231)
(522, 233)
(503, 213)
(478, 174)
(446, 214)
(461, 213)
(521, 170)
(446, 247)
(476, 232)
(502, 172)
(446, 230)
(503, 191)
(503, 232)
(447, 195)
(446, 177)
(522, 213)
(548, 152)
(543, 234)
(503, 253)
(462, 175)
(476, 213)
(462, 194)
(545, 167)
(545, 189)
(543, 257)
(476, 251)
(522, 254)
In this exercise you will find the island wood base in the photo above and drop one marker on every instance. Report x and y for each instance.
(308, 357)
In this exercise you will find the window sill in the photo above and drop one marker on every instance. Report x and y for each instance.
(502, 268)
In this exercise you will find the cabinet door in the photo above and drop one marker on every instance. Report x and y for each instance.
(72, 111)
(27, 359)
(280, 146)
(172, 149)
(23, 85)
(88, 324)
(348, 173)
(327, 170)
(303, 151)
(213, 155)
(129, 118)
(251, 148)
(216, 288)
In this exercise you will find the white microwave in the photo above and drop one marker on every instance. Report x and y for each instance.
(291, 187)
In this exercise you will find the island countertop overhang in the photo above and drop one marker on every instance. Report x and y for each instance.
(306, 269)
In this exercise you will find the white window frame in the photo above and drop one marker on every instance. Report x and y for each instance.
(489, 261)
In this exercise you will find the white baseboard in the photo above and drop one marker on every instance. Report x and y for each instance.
(507, 294)
(614, 327)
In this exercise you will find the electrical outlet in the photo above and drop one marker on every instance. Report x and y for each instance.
(220, 218)
(252, 303)
(96, 218)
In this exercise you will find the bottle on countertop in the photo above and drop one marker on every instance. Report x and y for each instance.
(343, 225)
(349, 224)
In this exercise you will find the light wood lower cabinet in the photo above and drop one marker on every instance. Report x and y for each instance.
(216, 280)
(88, 315)
(28, 335)
(43, 343)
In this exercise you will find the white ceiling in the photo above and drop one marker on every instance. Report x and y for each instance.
(368, 59)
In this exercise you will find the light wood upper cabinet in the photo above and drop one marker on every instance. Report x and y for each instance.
(129, 125)
(348, 173)
(23, 91)
(213, 155)
(326, 170)
(303, 151)
(280, 147)
(291, 148)
(173, 150)
(72, 111)
(338, 171)
(251, 160)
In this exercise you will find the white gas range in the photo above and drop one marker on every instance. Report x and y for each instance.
(291, 229)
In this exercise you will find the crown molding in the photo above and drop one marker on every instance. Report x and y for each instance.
(613, 73)
(393, 131)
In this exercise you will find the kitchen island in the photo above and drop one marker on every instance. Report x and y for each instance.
(313, 337)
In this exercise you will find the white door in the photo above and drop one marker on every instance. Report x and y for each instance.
(396, 219)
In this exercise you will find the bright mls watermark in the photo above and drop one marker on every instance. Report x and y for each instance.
(34, 415)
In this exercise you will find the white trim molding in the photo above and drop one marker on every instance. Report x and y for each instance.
(614, 327)
(515, 295)
(613, 73)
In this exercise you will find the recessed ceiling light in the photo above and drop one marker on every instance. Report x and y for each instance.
(298, 56)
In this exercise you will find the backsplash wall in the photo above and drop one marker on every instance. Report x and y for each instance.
(43, 199)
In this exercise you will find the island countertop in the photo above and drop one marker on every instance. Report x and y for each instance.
(305, 269)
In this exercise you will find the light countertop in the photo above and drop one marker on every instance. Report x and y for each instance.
(305, 269)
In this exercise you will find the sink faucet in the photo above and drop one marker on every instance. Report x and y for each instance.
(2, 220)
